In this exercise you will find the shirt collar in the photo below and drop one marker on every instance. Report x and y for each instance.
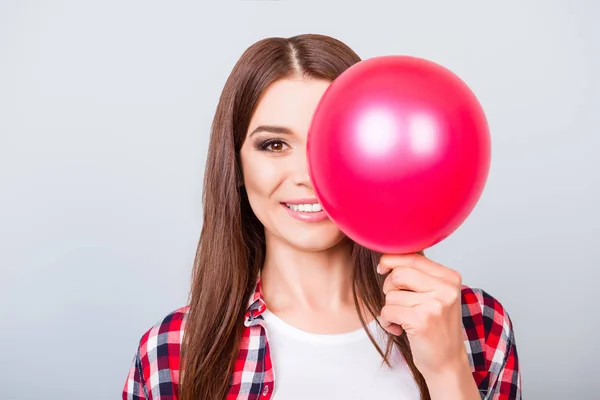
(256, 304)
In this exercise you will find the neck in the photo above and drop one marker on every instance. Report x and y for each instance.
(312, 281)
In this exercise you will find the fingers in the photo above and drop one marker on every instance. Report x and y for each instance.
(416, 261)
(397, 315)
(394, 329)
(404, 298)
(406, 278)
(418, 293)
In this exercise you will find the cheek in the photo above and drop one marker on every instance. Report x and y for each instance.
(261, 178)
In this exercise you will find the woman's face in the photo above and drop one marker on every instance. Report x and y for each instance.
(275, 166)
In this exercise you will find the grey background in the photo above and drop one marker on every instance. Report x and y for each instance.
(104, 115)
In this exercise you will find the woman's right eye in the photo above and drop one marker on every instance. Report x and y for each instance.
(273, 146)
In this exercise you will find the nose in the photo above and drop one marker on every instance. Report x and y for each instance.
(300, 175)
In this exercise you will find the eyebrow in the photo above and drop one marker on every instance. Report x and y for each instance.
(273, 129)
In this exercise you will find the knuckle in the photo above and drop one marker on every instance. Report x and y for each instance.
(397, 276)
(456, 296)
(383, 312)
(386, 298)
(383, 260)
(437, 309)
(451, 296)
(452, 299)
(455, 277)
(389, 296)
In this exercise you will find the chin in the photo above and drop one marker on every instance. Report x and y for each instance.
(315, 241)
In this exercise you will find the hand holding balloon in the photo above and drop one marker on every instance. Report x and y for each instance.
(423, 298)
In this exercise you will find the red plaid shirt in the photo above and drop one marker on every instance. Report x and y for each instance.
(154, 372)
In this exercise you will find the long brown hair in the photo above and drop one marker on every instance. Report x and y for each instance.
(231, 249)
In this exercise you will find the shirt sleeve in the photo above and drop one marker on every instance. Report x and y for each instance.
(135, 387)
(505, 377)
(491, 346)
(502, 378)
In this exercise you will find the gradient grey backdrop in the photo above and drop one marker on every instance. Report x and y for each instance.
(105, 109)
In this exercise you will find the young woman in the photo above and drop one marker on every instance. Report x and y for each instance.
(283, 305)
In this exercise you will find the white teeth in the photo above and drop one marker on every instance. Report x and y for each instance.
(316, 207)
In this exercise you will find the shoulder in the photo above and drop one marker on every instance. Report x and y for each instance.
(154, 372)
(167, 330)
(489, 340)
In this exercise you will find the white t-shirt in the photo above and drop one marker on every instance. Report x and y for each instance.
(335, 366)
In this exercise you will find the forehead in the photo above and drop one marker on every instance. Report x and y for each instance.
(290, 103)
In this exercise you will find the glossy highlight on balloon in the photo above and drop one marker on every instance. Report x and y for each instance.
(399, 153)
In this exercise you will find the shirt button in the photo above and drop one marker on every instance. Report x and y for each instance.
(266, 390)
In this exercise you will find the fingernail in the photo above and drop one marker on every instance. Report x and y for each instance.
(378, 269)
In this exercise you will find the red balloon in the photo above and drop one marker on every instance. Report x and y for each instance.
(398, 152)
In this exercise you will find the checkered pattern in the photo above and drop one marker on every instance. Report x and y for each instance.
(154, 372)
(490, 343)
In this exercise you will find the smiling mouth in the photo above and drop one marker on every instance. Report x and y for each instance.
(307, 208)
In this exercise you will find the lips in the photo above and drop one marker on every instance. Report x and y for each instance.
(303, 216)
